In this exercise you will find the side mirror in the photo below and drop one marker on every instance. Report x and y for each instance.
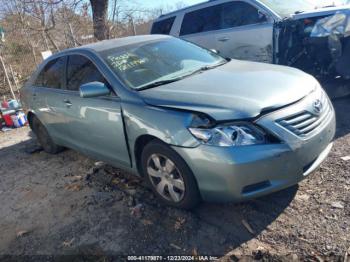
(215, 51)
(93, 89)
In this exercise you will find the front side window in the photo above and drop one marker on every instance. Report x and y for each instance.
(235, 14)
(142, 64)
(163, 27)
(81, 70)
(222, 16)
(52, 74)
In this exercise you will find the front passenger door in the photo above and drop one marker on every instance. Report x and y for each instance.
(96, 124)
(245, 33)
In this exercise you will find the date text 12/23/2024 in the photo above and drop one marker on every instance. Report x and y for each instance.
(172, 258)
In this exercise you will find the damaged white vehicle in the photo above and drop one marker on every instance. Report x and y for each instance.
(296, 33)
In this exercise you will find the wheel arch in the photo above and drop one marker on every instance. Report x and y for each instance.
(30, 116)
(139, 145)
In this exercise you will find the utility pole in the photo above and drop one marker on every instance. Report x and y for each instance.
(7, 77)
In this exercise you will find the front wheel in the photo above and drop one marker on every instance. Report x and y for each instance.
(169, 176)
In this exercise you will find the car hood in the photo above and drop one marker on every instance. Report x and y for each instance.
(236, 90)
(321, 12)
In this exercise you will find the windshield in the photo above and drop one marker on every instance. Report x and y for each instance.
(158, 61)
(286, 8)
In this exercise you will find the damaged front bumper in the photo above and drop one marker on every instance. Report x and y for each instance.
(240, 173)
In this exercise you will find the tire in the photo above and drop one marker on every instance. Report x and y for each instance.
(44, 138)
(169, 175)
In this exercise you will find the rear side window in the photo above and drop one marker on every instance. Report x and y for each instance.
(52, 74)
(203, 20)
(239, 14)
(163, 27)
(81, 70)
(222, 16)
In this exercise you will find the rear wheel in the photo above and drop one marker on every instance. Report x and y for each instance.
(44, 138)
(169, 176)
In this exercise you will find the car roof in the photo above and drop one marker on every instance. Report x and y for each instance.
(120, 42)
(163, 16)
(194, 7)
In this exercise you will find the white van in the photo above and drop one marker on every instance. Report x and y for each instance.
(271, 31)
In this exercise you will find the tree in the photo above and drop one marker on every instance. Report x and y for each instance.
(99, 17)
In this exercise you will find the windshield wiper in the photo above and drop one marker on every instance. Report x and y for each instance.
(160, 83)
(207, 67)
(168, 81)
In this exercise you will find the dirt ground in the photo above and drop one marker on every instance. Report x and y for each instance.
(69, 204)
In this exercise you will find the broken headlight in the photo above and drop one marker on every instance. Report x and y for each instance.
(239, 134)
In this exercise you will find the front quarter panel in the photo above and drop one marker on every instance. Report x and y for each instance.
(168, 125)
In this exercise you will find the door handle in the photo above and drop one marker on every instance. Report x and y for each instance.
(223, 39)
(67, 102)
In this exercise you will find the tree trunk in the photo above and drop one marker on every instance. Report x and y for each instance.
(99, 17)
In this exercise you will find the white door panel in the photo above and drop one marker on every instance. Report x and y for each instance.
(251, 42)
(206, 40)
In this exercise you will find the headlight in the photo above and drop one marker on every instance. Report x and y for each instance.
(240, 134)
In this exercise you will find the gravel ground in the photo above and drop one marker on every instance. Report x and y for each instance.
(70, 204)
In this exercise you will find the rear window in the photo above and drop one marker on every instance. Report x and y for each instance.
(163, 27)
(52, 74)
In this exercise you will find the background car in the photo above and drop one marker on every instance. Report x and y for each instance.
(294, 33)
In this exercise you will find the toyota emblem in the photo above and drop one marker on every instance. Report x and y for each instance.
(318, 106)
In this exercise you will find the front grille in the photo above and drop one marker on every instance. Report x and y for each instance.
(304, 123)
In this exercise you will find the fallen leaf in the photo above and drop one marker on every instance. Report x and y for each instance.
(21, 233)
(99, 164)
(302, 197)
(347, 255)
(136, 210)
(76, 178)
(345, 158)
(194, 252)
(248, 227)
(179, 222)
(175, 246)
(74, 187)
(68, 243)
(337, 204)
(146, 222)
(115, 181)
(293, 257)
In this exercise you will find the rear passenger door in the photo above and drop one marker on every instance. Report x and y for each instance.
(48, 99)
(96, 124)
